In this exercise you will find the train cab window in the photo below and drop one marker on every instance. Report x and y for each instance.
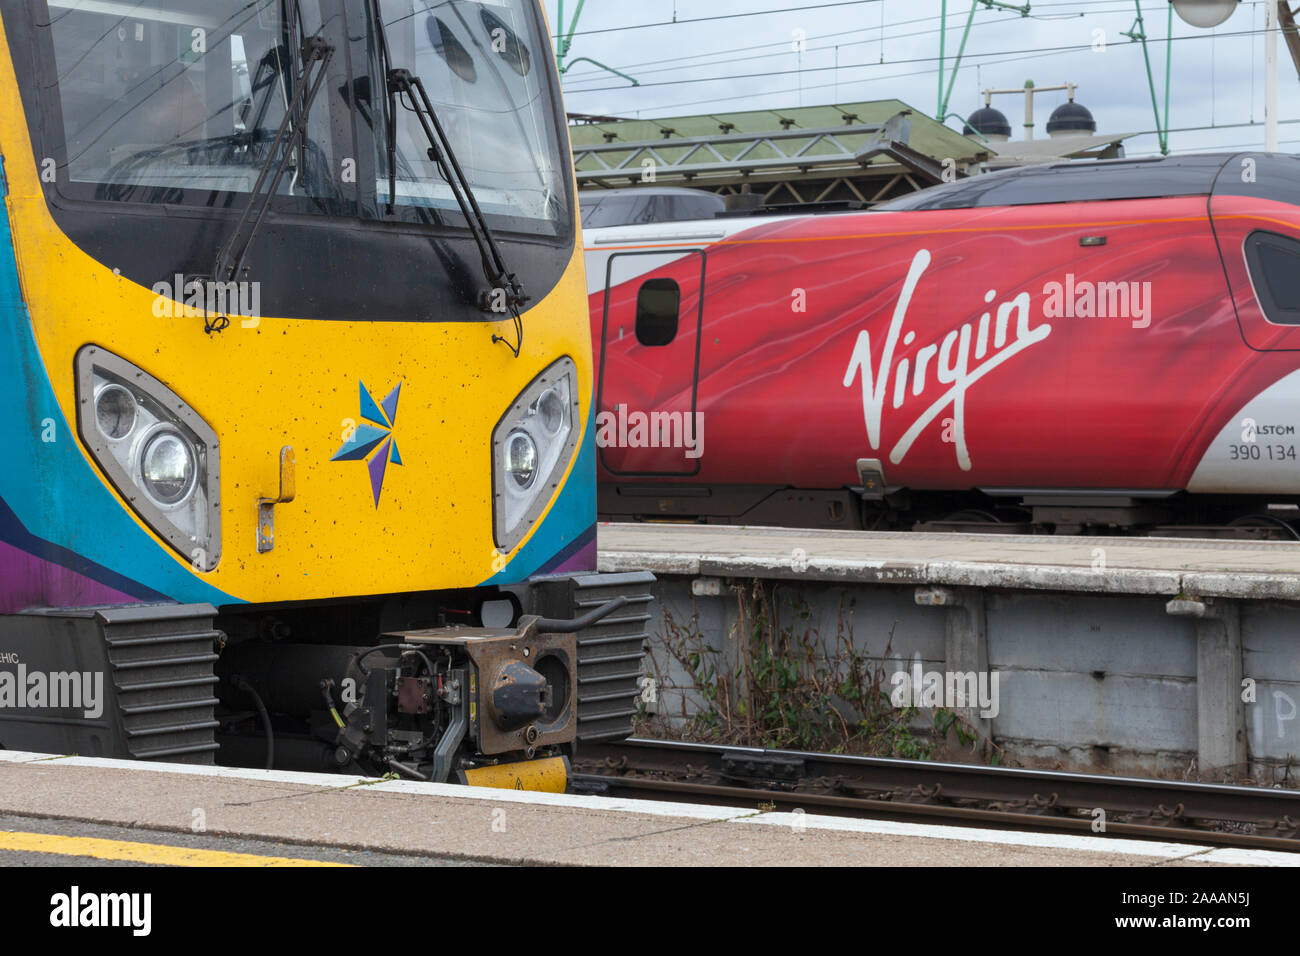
(657, 306)
(1274, 263)
(177, 101)
(617, 210)
(474, 58)
(638, 206)
(704, 206)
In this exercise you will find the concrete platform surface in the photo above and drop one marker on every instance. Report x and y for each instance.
(449, 822)
(49, 842)
(1129, 565)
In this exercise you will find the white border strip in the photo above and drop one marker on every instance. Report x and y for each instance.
(656, 808)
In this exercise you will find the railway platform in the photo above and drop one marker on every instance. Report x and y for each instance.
(1254, 570)
(277, 818)
(1151, 656)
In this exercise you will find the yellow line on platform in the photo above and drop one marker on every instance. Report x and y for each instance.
(155, 853)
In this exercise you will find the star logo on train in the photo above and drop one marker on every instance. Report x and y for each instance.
(374, 443)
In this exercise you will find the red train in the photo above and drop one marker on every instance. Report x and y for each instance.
(1071, 346)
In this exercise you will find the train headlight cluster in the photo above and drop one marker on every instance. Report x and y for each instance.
(158, 453)
(531, 447)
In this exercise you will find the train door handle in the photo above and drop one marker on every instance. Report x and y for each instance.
(266, 506)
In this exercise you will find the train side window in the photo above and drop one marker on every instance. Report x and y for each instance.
(657, 306)
(1274, 263)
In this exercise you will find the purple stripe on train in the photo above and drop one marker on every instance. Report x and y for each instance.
(27, 581)
(584, 559)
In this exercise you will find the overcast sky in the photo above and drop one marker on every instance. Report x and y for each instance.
(748, 62)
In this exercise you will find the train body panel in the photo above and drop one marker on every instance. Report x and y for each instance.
(1036, 347)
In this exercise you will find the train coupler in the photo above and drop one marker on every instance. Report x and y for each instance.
(464, 702)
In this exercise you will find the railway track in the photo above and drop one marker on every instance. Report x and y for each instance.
(959, 794)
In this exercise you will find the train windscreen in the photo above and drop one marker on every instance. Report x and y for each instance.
(179, 102)
(176, 101)
(483, 63)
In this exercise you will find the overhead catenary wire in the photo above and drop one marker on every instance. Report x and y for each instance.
(1122, 6)
(862, 77)
(781, 47)
(749, 96)
(722, 16)
(1071, 48)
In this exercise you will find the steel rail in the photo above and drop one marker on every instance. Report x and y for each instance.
(1221, 814)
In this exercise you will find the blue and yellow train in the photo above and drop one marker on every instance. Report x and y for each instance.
(298, 454)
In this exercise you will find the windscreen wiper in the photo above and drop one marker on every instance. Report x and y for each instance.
(309, 71)
(504, 292)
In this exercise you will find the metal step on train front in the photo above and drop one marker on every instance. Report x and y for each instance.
(161, 665)
(611, 653)
(121, 682)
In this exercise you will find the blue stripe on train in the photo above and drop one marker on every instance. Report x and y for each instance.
(52, 492)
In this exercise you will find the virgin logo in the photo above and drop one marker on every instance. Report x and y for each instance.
(953, 369)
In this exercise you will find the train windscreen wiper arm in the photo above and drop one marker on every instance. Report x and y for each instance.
(504, 292)
(291, 136)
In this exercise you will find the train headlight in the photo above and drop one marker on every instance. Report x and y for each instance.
(115, 411)
(167, 466)
(552, 409)
(532, 445)
(158, 453)
(521, 459)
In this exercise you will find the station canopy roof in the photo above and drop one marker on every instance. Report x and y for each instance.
(928, 135)
(846, 141)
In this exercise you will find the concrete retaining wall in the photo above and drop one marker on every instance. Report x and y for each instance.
(1130, 683)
